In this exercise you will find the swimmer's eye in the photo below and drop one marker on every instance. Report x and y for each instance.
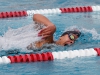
(71, 36)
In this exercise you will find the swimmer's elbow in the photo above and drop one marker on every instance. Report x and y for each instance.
(36, 16)
(33, 46)
(30, 47)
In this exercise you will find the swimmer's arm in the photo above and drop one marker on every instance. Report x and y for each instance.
(50, 27)
(42, 19)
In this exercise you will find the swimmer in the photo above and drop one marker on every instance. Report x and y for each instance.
(67, 38)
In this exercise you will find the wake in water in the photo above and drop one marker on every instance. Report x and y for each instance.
(20, 38)
(89, 38)
(94, 34)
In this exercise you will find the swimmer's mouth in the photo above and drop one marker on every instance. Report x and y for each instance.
(65, 44)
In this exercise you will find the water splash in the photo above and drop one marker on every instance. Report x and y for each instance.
(94, 34)
(19, 38)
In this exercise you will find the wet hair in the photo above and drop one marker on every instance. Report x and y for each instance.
(78, 33)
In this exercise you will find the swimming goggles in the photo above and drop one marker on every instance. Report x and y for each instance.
(71, 36)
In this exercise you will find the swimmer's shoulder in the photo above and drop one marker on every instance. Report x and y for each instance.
(40, 43)
(48, 40)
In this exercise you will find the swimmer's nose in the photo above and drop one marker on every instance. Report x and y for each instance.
(70, 42)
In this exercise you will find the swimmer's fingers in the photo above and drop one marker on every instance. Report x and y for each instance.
(45, 36)
(43, 30)
(47, 31)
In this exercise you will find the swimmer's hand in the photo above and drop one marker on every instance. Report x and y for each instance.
(48, 31)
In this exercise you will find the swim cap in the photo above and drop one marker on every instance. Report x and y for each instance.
(78, 33)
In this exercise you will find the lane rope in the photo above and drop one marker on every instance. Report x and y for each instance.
(49, 11)
(49, 56)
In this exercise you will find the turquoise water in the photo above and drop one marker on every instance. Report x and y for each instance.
(87, 23)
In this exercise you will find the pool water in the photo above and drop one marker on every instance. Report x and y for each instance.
(87, 23)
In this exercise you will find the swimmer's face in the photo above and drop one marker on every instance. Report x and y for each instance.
(67, 39)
